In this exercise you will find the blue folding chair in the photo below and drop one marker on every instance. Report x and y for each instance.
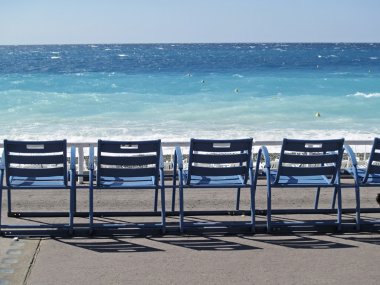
(127, 165)
(214, 164)
(37, 165)
(364, 177)
(304, 164)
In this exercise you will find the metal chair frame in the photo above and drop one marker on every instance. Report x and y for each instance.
(19, 165)
(126, 166)
(203, 156)
(319, 163)
(364, 177)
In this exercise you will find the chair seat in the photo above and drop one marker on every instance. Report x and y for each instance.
(37, 182)
(372, 178)
(317, 180)
(221, 181)
(127, 182)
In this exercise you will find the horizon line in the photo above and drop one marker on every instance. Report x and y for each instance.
(195, 43)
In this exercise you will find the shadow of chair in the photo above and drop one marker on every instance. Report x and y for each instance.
(301, 242)
(109, 245)
(205, 243)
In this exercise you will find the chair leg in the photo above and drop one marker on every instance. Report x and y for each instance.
(173, 199)
(91, 208)
(238, 199)
(269, 207)
(155, 200)
(9, 201)
(317, 198)
(339, 210)
(72, 209)
(253, 209)
(173, 191)
(1, 202)
(181, 210)
(357, 197)
(75, 201)
(334, 199)
(163, 210)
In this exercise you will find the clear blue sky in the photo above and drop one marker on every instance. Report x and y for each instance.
(178, 21)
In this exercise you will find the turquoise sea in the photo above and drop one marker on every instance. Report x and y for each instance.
(178, 91)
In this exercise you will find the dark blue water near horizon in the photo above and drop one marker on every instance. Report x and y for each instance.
(151, 58)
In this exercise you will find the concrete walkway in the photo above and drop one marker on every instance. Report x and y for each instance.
(195, 258)
(16, 259)
(206, 259)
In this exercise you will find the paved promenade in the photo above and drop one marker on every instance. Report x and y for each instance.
(197, 257)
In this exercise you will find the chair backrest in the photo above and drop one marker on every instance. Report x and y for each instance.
(373, 166)
(39, 160)
(219, 158)
(123, 159)
(310, 158)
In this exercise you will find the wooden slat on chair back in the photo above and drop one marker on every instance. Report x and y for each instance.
(374, 159)
(122, 159)
(36, 159)
(219, 157)
(310, 157)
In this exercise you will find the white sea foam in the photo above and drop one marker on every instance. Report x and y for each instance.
(340, 73)
(55, 57)
(328, 56)
(122, 55)
(84, 134)
(238, 75)
(373, 57)
(17, 82)
(365, 95)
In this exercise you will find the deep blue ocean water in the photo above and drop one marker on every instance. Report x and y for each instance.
(178, 91)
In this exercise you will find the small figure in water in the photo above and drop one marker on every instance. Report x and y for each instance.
(378, 198)
(317, 114)
(236, 90)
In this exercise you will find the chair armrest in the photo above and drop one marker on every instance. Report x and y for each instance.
(161, 159)
(252, 176)
(265, 153)
(178, 159)
(250, 162)
(2, 160)
(72, 158)
(351, 155)
(91, 159)
(2, 171)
